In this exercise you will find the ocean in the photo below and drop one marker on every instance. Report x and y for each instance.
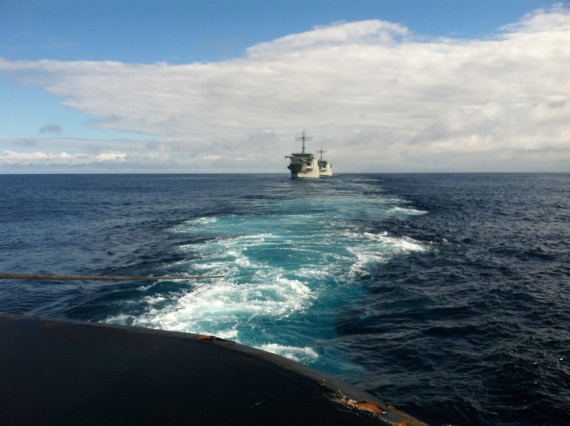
(447, 295)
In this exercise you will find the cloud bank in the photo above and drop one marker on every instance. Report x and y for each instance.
(376, 96)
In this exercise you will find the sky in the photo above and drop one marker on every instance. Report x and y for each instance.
(226, 86)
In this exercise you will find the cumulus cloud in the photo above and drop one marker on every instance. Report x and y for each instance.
(377, 97)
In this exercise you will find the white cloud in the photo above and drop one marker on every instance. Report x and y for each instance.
(57, 158)
(376, 96)
(371, 32)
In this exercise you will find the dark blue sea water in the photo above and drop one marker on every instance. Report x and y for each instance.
(447, 295)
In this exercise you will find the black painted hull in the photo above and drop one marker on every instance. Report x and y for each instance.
(75, 373)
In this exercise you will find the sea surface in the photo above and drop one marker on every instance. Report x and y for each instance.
(447, 295)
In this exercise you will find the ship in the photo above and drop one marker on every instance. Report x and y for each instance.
(325, 167)
(306, 165)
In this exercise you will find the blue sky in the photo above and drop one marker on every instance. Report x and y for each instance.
(207, 30)
(225, 86)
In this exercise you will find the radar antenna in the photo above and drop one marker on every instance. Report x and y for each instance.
(304, 138)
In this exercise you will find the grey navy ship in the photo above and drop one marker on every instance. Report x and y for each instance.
(305, 165)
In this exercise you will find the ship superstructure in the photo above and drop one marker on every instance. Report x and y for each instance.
(305, 165)
(325, 167)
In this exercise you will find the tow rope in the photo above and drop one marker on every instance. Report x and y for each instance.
(14, 276)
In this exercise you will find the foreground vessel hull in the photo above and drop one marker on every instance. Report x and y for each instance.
(77, 373)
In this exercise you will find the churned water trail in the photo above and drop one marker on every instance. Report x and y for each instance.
(288, 265)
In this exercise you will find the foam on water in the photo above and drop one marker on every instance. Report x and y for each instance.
(303, 355)
(222, 306)
(287, 266)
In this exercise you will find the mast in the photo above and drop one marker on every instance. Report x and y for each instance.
(321, 152)
(304, 138)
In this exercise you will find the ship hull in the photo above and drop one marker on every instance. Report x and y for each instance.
(325, 169)
(304, 168)
(75, 373)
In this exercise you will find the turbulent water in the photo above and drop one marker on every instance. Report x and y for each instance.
(447, 295)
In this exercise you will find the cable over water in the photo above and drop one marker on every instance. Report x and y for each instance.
(58, 277)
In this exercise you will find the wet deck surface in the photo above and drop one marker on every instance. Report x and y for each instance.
(74, 373)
